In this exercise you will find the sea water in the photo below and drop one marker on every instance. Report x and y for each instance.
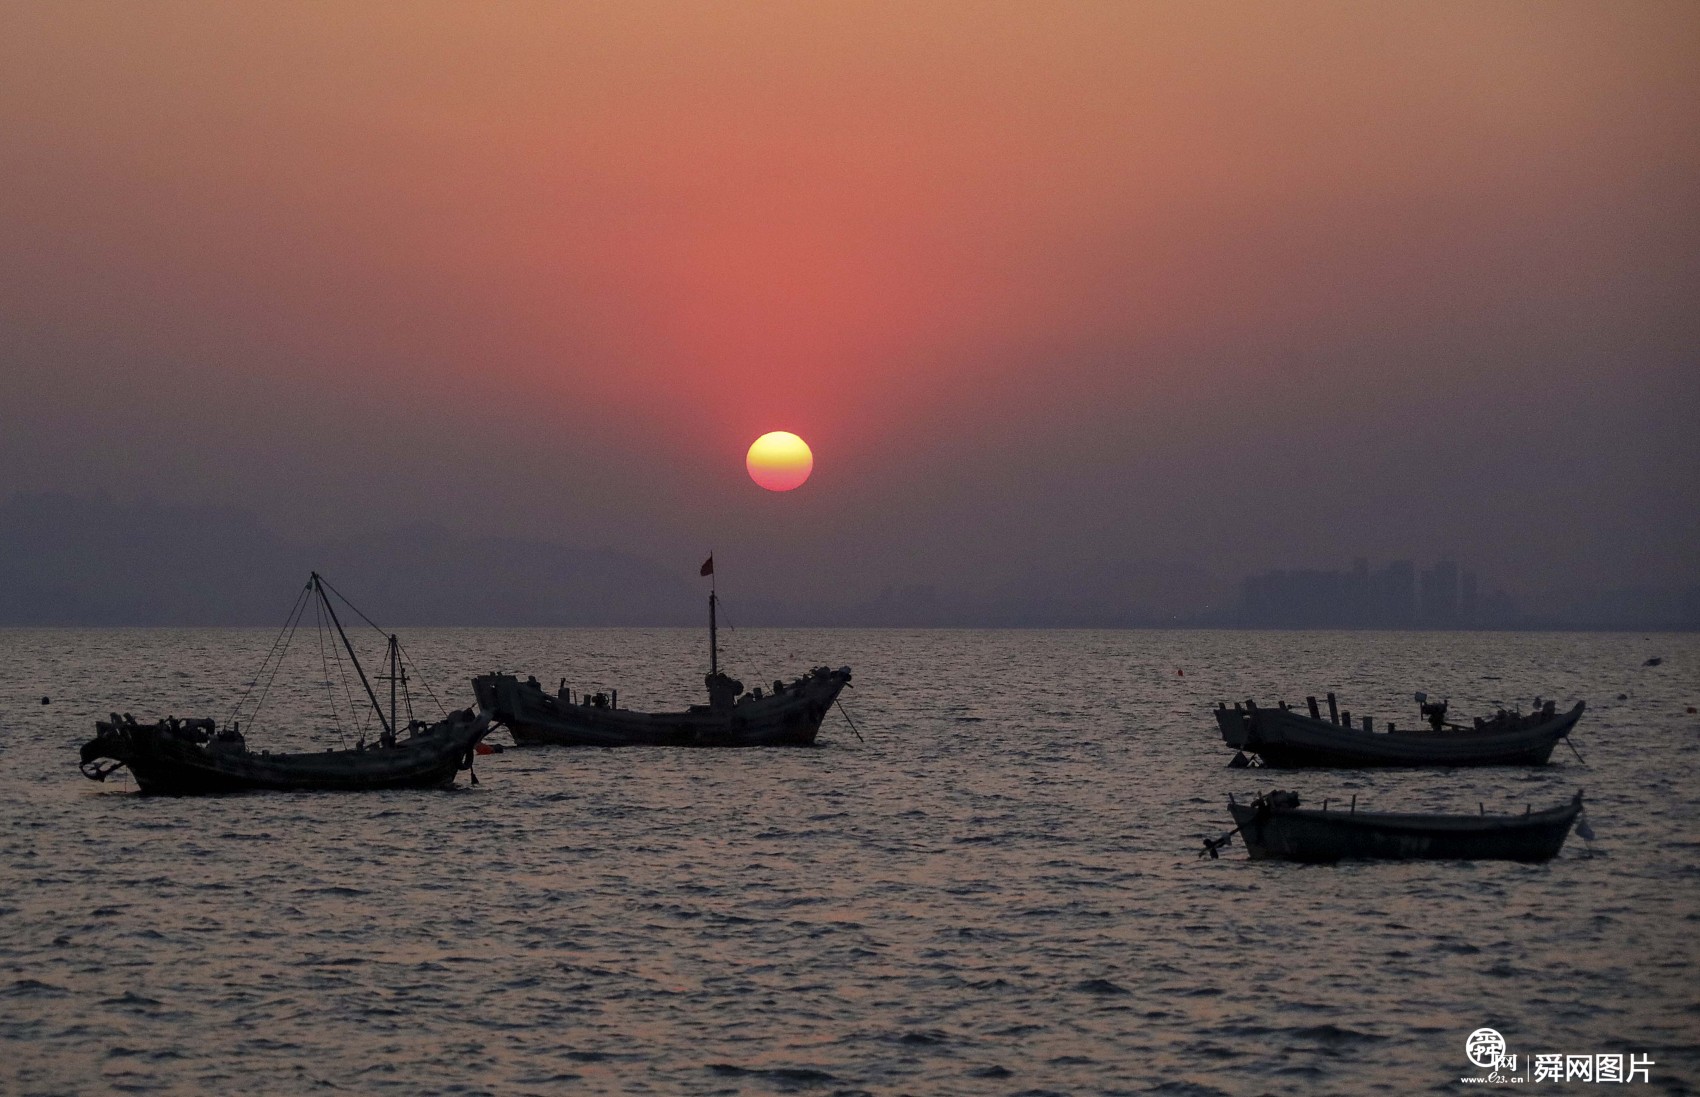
(993, 889)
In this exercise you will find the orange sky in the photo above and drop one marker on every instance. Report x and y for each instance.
(592, 251)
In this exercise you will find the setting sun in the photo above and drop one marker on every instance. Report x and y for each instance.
(779, 461)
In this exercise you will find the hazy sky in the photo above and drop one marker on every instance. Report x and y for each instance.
(1060, 293)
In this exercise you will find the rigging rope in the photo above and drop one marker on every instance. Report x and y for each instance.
(422, 681)
(323, 582)
(365, 721)
(325, 676)
(280, 647)
(293, 610)
(401, 652)
(342, 675)
(260, 703)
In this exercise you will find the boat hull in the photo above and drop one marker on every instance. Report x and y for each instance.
(1284, 739)
(164, 763)
(536, 718)
(1320, 837)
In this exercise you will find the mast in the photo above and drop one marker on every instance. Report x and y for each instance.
(713, 640)
(392, 678)
(358, 669)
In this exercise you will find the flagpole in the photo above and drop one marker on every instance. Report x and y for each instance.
(713, 640)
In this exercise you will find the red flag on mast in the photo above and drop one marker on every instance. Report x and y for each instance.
(708, 565)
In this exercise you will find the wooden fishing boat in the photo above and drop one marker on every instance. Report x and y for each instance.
(180, 758)
(1275, 827)
(190, 757)
(788, 715)
(1286, 739)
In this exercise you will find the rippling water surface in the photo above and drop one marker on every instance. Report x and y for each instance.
(995, 893)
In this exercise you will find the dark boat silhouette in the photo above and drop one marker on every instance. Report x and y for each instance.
(1275, 827)
(1285, 739)
(190, 757)
(788, 715)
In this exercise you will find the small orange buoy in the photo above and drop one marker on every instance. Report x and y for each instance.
(488, 748)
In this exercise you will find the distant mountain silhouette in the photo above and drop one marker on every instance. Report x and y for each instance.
(73, 560)
(67, 560)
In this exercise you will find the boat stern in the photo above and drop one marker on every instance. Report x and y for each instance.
(1235, 724)
(498, 696)
(113, 744)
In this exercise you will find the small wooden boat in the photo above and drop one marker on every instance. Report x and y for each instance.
(1275, 828)
(789, 715)
(1286, 739)
(188, 757)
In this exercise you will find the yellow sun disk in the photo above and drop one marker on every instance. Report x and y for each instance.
(779, 461)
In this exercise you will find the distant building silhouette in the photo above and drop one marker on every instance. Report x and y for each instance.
(1393, 596)
(1295, 599)
(1438, 596)
(1358, 593)
(1396, 596)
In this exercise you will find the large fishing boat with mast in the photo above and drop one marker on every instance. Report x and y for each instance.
(186, 757)
(790, 714)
